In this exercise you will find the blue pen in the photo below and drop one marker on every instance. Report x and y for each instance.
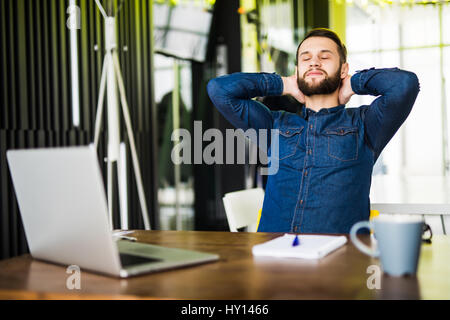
(296, 241)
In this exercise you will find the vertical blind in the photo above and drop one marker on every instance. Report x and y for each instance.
(35, 96)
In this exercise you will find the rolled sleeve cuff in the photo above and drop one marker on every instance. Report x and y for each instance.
(273, 83)
(361, 78)
(358, 80)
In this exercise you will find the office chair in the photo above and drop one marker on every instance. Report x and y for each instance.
(243, 209)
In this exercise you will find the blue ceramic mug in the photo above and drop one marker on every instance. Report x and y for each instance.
(399, 239)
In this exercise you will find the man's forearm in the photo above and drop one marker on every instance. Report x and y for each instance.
(393, 82)
(398, 90)
(245, 86)
(232, 96)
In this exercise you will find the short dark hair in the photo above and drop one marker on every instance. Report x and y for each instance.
(326, 33)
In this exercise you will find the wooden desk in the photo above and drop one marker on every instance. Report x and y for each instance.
(237, 275)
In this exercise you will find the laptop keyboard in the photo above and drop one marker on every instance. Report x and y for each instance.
(131, 260)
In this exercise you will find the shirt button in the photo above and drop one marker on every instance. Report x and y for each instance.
(295, 229)
(310, 151)
(306, 173)
(301, 201)
(311, 126)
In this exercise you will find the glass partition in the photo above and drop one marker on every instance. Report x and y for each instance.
(414, 36)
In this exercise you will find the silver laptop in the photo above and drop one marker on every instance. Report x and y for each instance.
(63, 205)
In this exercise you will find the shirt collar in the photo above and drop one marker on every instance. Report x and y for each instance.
(306, 112)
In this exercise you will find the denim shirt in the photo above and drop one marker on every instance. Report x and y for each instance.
(325, 157)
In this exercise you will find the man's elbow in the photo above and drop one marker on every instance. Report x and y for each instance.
(215, 90)
(212, 87)
(406, 89)
(411, 84)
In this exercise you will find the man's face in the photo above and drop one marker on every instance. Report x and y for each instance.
(319, 70)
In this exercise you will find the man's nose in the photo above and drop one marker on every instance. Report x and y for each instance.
(314, 62)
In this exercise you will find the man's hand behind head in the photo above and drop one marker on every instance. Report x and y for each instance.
(290, 87)
(345, 90)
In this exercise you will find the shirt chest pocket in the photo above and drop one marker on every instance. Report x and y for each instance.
(343, 143)
(289, 138)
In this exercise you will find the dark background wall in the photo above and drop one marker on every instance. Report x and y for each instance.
(315, 14)
(35, 96)
(213, 181)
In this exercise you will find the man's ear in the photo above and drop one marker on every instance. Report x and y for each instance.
(344, 70)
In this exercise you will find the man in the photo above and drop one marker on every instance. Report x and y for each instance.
(326, 151)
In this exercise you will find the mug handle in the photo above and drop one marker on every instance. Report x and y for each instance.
(358, 244)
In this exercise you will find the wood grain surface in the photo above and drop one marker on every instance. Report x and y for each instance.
(237, 275)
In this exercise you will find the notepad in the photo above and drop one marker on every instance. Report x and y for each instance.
(310, 247)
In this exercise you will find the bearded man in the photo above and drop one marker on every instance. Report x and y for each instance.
(326, 151)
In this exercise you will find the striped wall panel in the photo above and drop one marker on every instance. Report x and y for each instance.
(35, 96)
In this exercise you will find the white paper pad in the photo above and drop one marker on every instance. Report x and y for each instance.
(310, 247)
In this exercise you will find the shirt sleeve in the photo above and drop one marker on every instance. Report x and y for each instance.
(232, 96)
(397, 90)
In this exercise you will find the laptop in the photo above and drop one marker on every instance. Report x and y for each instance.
(64, 211)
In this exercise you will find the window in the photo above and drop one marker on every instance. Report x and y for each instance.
(414, 37)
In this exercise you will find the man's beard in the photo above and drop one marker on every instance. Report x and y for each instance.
(326, 86)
